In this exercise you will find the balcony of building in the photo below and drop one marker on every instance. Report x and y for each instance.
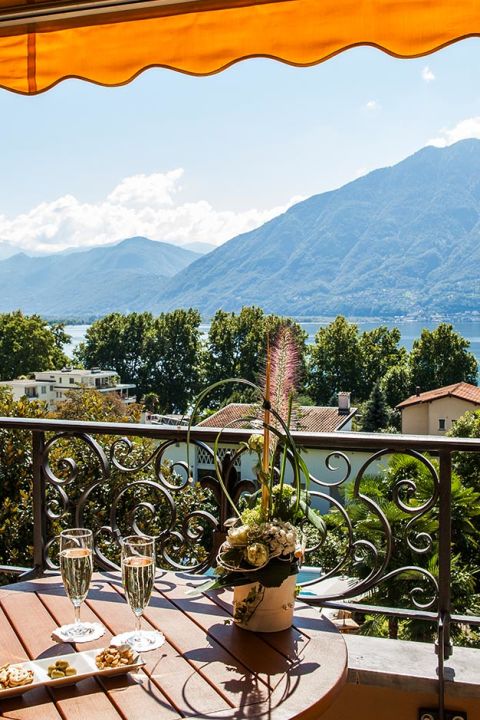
(119, 477)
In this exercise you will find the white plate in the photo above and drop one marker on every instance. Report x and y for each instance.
(83, 662)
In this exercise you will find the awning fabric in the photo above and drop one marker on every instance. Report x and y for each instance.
(112, 47)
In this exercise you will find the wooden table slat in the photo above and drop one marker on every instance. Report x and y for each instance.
(246, 647)
(27, 706)
(287, 644)
(165, 666)
(204, 654)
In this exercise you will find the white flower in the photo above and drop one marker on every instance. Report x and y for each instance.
(257, 554)
(238, 535)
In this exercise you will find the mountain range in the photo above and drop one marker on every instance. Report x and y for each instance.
(398, 241)
(123, 277)
(401, 240)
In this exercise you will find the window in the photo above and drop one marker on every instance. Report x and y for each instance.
(205, 459)
(72, 380)
(51, 388)
(441, 423)
(44, 389)
(59, 379)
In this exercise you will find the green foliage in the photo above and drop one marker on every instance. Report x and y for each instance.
(335, 361)
(466, 464)
(94, 406)
(165, 356)
(441, 357)
(28, 344)
(287, 508)
(151, 402)
(376, 415)
(91, 405)
(16, 473)
(16, 512)
(236, 347)
(119, 342)
(159, 355)
(174, 359)
(367, 526)
(380, 352)
(343, 359)
(396, 384)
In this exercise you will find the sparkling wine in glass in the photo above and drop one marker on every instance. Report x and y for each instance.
(76, 567)
(138, 575)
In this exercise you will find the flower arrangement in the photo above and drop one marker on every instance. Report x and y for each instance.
(265, 543)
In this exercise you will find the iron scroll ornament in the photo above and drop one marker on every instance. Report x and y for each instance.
(156, 488)
(127, 497)
(358, 549)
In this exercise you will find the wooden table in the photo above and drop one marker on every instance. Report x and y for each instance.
(208, 668)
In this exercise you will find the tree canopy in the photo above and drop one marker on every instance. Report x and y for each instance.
(119, 342)
(466, 464)
(173, 359)
(162, 355)
(335, 361)
(376, 416)
(29, 344)
(379, 353)
(344, 359)
(236, 348)
(396, 384)
(168, 355)
(441, 357)
(92, 406)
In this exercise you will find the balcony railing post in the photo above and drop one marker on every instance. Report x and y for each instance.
(39, 504)
(444, 646)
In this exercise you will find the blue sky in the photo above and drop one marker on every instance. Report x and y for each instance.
(181, 158)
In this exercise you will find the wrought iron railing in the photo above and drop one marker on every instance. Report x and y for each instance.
(92, 474)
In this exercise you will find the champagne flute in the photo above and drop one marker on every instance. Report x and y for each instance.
(138, 575)
(76, 567)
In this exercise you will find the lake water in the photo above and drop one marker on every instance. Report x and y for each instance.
(410, 330)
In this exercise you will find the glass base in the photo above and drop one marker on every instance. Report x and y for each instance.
(78, 632)
(140, 640)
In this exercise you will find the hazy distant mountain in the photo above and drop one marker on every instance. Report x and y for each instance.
(199, 247)
(399, 240)
(121, 277)
(7, 250)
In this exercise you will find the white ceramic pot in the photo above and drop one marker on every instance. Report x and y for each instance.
(265, 609)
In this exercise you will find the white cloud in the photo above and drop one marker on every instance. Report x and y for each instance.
(140, 190)
(139, 205)
(372, 105)
(469, 128)
(427, 74)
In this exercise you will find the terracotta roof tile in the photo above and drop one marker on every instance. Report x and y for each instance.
(461, 390)
(310, 418)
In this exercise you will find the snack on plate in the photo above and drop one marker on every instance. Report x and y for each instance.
(114, 656)
(14, 675)
(60, 669)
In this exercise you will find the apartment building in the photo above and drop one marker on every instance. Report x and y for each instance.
(51, 385)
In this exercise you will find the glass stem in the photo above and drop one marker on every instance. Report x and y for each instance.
(76, 610)
(138, 623)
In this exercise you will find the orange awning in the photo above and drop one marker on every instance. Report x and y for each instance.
(111, 41)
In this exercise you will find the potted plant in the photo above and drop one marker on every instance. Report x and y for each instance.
(265, 542)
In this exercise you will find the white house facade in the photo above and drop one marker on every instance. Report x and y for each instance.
(328, 468)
